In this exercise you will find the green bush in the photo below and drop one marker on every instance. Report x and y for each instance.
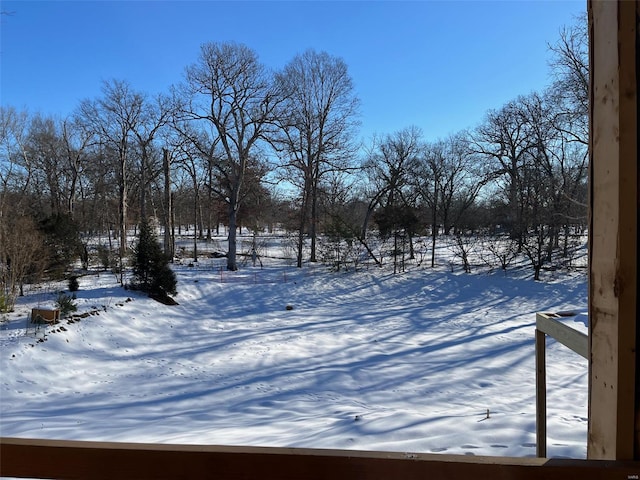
(151, 271)
(65, 304)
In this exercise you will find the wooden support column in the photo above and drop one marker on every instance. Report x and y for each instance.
(613, 232)
(541, 394)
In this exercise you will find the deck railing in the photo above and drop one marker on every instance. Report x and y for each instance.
(547, 324)
(29, 458)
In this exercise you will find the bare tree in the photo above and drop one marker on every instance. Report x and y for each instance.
(464, 246)
(21, 251)
(461, 178)
(229, 92)
(76, 142)
(317, 122)
(447, 179)
(569, 95)
(498, 248)
(429, 178)
(113, 118)
(342, 222)
(168, 238)
(570, 89)
(189, 159)
(154, 115)
(561, 168)
(56, 151)
(15, 168)
(391, 163)
(504, 140)
(45, 151)
(99, 192)
(390, 166)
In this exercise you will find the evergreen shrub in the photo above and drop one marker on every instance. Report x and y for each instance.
(151, 271)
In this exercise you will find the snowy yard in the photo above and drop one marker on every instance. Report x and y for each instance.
(369, 360)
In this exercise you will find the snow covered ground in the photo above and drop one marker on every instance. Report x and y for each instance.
(424, 361)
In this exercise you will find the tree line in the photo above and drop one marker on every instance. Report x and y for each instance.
(237, 144)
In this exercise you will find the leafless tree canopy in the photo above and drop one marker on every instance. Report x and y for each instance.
(231, 96)
(236, 145)
(316, 121)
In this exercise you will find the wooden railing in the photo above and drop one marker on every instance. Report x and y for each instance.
(29, 458)
(547, 324)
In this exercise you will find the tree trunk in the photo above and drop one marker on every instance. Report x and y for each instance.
(565, 242)
(200, 220)
(209, 204)
(123, 218)
(168, 228)
(314, 221)
(232, 263)
(143, 180)
(434, 225)
(72, 194)
(434, 230)
(303, 216)
(412, 252)
(303, 221)
(196, 197)
(300, 246)
(395, 252)
(172, 220)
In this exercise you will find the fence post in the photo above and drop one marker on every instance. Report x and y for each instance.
(541, 395)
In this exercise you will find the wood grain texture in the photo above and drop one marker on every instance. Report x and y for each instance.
(613, 256)
(29, 458)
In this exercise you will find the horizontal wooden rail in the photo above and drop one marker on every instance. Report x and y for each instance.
(569, 337)
(30, 458)
(547, 324)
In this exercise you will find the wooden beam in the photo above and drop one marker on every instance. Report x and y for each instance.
(541, 394)
(613, 251)
(569, 337)
(28, 458)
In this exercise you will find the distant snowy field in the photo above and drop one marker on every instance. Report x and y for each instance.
(364, 360)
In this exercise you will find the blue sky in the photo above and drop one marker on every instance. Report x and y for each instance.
(439, 65)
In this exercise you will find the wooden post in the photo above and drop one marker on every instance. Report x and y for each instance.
(613, 247)
(541, 395)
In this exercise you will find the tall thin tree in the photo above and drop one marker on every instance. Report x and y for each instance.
(317, 124)
(228, 91)
(113, 118)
